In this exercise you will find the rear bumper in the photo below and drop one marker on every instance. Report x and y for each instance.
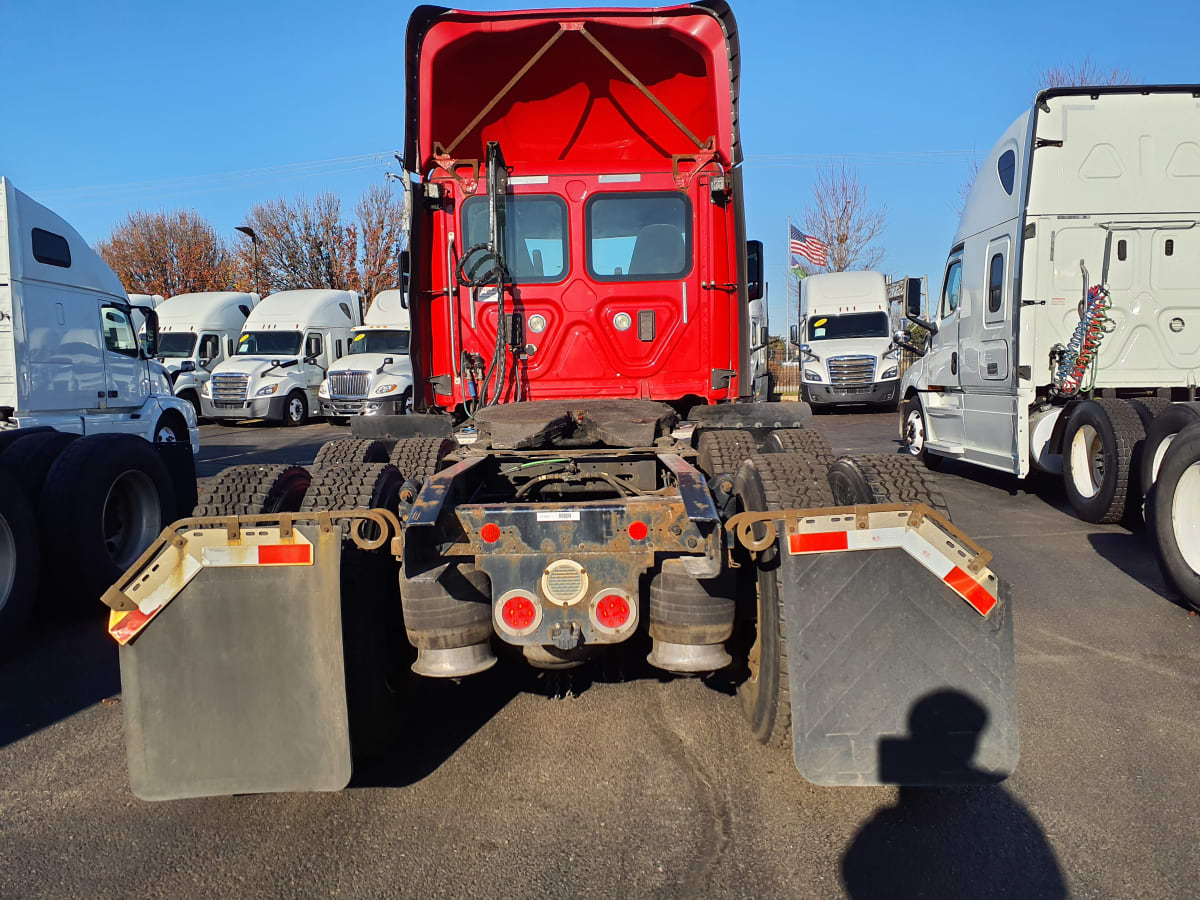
(826, 395)
(270, 408)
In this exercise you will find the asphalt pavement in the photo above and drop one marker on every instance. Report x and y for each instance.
(652, 786)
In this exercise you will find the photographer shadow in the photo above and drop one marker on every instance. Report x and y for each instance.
(973, 839)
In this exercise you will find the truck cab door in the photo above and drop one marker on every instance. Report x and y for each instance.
(126, 382)
(943, 408)
(209, 352)
(314, 373)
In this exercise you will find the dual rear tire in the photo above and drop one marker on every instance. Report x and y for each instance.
(1173, 514)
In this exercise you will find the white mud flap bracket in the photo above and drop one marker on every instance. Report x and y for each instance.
(899, 647)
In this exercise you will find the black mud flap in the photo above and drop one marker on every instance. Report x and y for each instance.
(237, 684)
(895, 678)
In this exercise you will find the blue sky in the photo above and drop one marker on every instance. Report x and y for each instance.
(216, 106)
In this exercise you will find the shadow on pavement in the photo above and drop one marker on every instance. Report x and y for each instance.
(1134, 555)
(974, 840)
(66, 666)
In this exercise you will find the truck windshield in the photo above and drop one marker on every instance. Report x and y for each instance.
(848, 325)
(268, 343)
(639, 237)
(380, 342)
(176, 345)
(535, 235)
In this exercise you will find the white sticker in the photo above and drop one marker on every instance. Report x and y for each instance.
(487, 294)
(563, 515)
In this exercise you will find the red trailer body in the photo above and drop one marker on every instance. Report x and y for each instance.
(625, 239)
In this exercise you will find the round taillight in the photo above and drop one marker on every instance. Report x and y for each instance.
(612, 611)
(638, 531)
(518, 613)
(490, 533)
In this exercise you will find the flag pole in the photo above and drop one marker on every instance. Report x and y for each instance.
(787, 292)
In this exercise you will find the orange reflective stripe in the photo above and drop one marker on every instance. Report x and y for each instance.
(970, 590)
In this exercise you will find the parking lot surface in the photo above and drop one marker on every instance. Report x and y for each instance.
(652, 786)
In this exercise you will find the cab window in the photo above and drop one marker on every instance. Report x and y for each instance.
(535, 235)
(210, 347)
(952, 292)
(119, 336)
(643, 236)
(313, 345)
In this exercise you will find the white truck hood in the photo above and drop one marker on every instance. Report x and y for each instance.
(371, 362)
(252, 365)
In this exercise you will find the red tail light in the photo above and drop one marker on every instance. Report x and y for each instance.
(490, 533)
(638, 531)
(518, 613)
(612, 611)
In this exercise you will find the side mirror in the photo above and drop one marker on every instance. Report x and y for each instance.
(763, 337)
(189, 365)
(912, 297)
(311, 360)
(150, 339)
(754, 270)
(387, 360)
(794, 335)
(899, 335)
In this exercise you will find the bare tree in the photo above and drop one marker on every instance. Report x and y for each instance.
(168, 253)
(1083, 73)
(303, 244)
(841, 217)
(382, 222)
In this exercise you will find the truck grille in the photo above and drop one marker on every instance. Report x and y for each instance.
(851, 371)
(229, 388)
(349, 384)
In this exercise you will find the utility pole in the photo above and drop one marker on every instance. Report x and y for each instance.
(247, 230)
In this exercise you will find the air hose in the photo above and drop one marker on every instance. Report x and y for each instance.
(1078, 358)
(472, 279)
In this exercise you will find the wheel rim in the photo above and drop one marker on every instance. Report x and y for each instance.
(1087, 461)
(915, 432)
(131, 517)
(165, 435)
(296, 409)
(8, 562)
(1185, 516)
(1163, 446)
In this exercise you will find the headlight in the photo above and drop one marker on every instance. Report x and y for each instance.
(890, 373)
(206, 389)
(265, 391)
(386, 388)
(810, 375)
(323, 390)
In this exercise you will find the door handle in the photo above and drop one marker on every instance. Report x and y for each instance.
(112, 394)
(100, 394)
(954, 363)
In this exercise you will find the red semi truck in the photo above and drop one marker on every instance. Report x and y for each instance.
(587, 470)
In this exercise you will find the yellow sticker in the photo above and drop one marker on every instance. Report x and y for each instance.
(358, 338)
(243, 338)
(819, 323)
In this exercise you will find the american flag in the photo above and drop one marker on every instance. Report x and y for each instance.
(813, 249)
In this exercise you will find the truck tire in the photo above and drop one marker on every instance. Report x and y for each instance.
(371, 623)
(810, 441)
(884, 478)
(253, 490)
(420, 459)
(106, 498)
(722, 452)
(295, 409)
(30, 458)
(352, 450)
(1160, 435)
(1174, 515)
(193, 398)
(1148, 408)
(181, 466)
(171, 429)
(19, 560)
(772, 481)
(914, 431)
(1099, 446)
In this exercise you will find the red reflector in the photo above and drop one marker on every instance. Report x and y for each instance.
(490, 533)
(518, 613)
(638, 531)
(818, 542)
(285, 554)
(612, 611)
(971, 590)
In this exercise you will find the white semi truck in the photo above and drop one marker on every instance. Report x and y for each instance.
(1066, 337)
(198, 331)
(375, 378)
(287, 345)
(845, 336)
(95, 450)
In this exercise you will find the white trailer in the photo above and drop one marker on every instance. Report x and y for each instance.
(845, 336)
(198, 331)
(375, 378)
(1069, 316)
(287, 345)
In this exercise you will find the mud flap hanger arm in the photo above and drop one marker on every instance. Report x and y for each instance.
(444, 159)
